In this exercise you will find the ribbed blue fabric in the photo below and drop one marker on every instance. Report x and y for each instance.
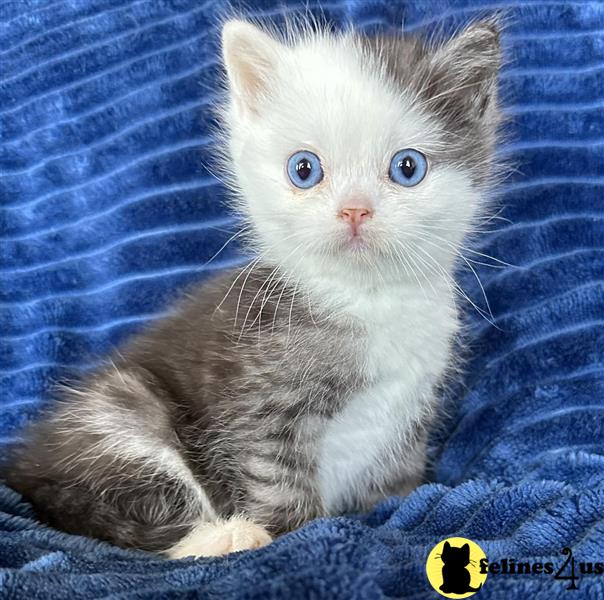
(108, 210)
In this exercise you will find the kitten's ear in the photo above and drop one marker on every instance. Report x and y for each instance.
(468, 65)
(447, 546)
(249, 57)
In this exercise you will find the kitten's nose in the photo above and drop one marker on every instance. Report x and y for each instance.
(355, 217)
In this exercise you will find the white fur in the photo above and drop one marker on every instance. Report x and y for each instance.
(220, 537)
(406, 350)
(323, 94)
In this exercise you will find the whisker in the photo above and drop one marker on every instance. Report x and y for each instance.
(233, 237)
(243, 270)
(454, 286)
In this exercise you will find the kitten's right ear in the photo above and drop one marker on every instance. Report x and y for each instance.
(250, 57)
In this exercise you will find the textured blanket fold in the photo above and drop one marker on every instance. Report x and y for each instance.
(107, 210)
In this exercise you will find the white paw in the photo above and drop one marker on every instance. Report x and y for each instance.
(222, 537)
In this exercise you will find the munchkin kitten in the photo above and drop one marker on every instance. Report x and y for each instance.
(303, 384)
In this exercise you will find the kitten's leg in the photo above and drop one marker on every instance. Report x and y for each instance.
(405, 472)
(108, 465)
(409, 472)
(279, 485)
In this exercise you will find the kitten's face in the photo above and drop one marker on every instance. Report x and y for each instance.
(317, 131)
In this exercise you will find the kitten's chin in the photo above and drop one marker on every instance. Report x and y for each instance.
(357, 243)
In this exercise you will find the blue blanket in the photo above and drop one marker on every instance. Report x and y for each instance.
(108, 209)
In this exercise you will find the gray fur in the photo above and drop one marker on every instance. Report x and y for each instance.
(457, 81)
(238, 408)
(218, 409)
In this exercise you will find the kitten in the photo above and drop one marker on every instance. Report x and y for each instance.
(302, 385)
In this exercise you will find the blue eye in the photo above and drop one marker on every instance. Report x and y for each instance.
(408, 167)
(304, 169)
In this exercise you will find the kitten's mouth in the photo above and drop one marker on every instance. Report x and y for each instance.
(356, 243)
(349, 244)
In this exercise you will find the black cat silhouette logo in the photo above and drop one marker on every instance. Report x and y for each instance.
(453, 568)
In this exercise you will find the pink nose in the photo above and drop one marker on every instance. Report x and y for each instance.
(355, 217)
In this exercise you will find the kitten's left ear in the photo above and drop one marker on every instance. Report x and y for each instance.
(468, 66)
(250, 58)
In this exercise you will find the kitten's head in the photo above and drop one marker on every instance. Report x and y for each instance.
(361, 157)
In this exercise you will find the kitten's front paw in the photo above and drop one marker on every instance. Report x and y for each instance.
(223, 537)
(245, 535)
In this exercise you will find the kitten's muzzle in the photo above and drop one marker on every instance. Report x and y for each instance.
(355, 217)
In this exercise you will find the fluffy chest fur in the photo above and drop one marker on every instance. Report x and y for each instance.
(369, 444)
